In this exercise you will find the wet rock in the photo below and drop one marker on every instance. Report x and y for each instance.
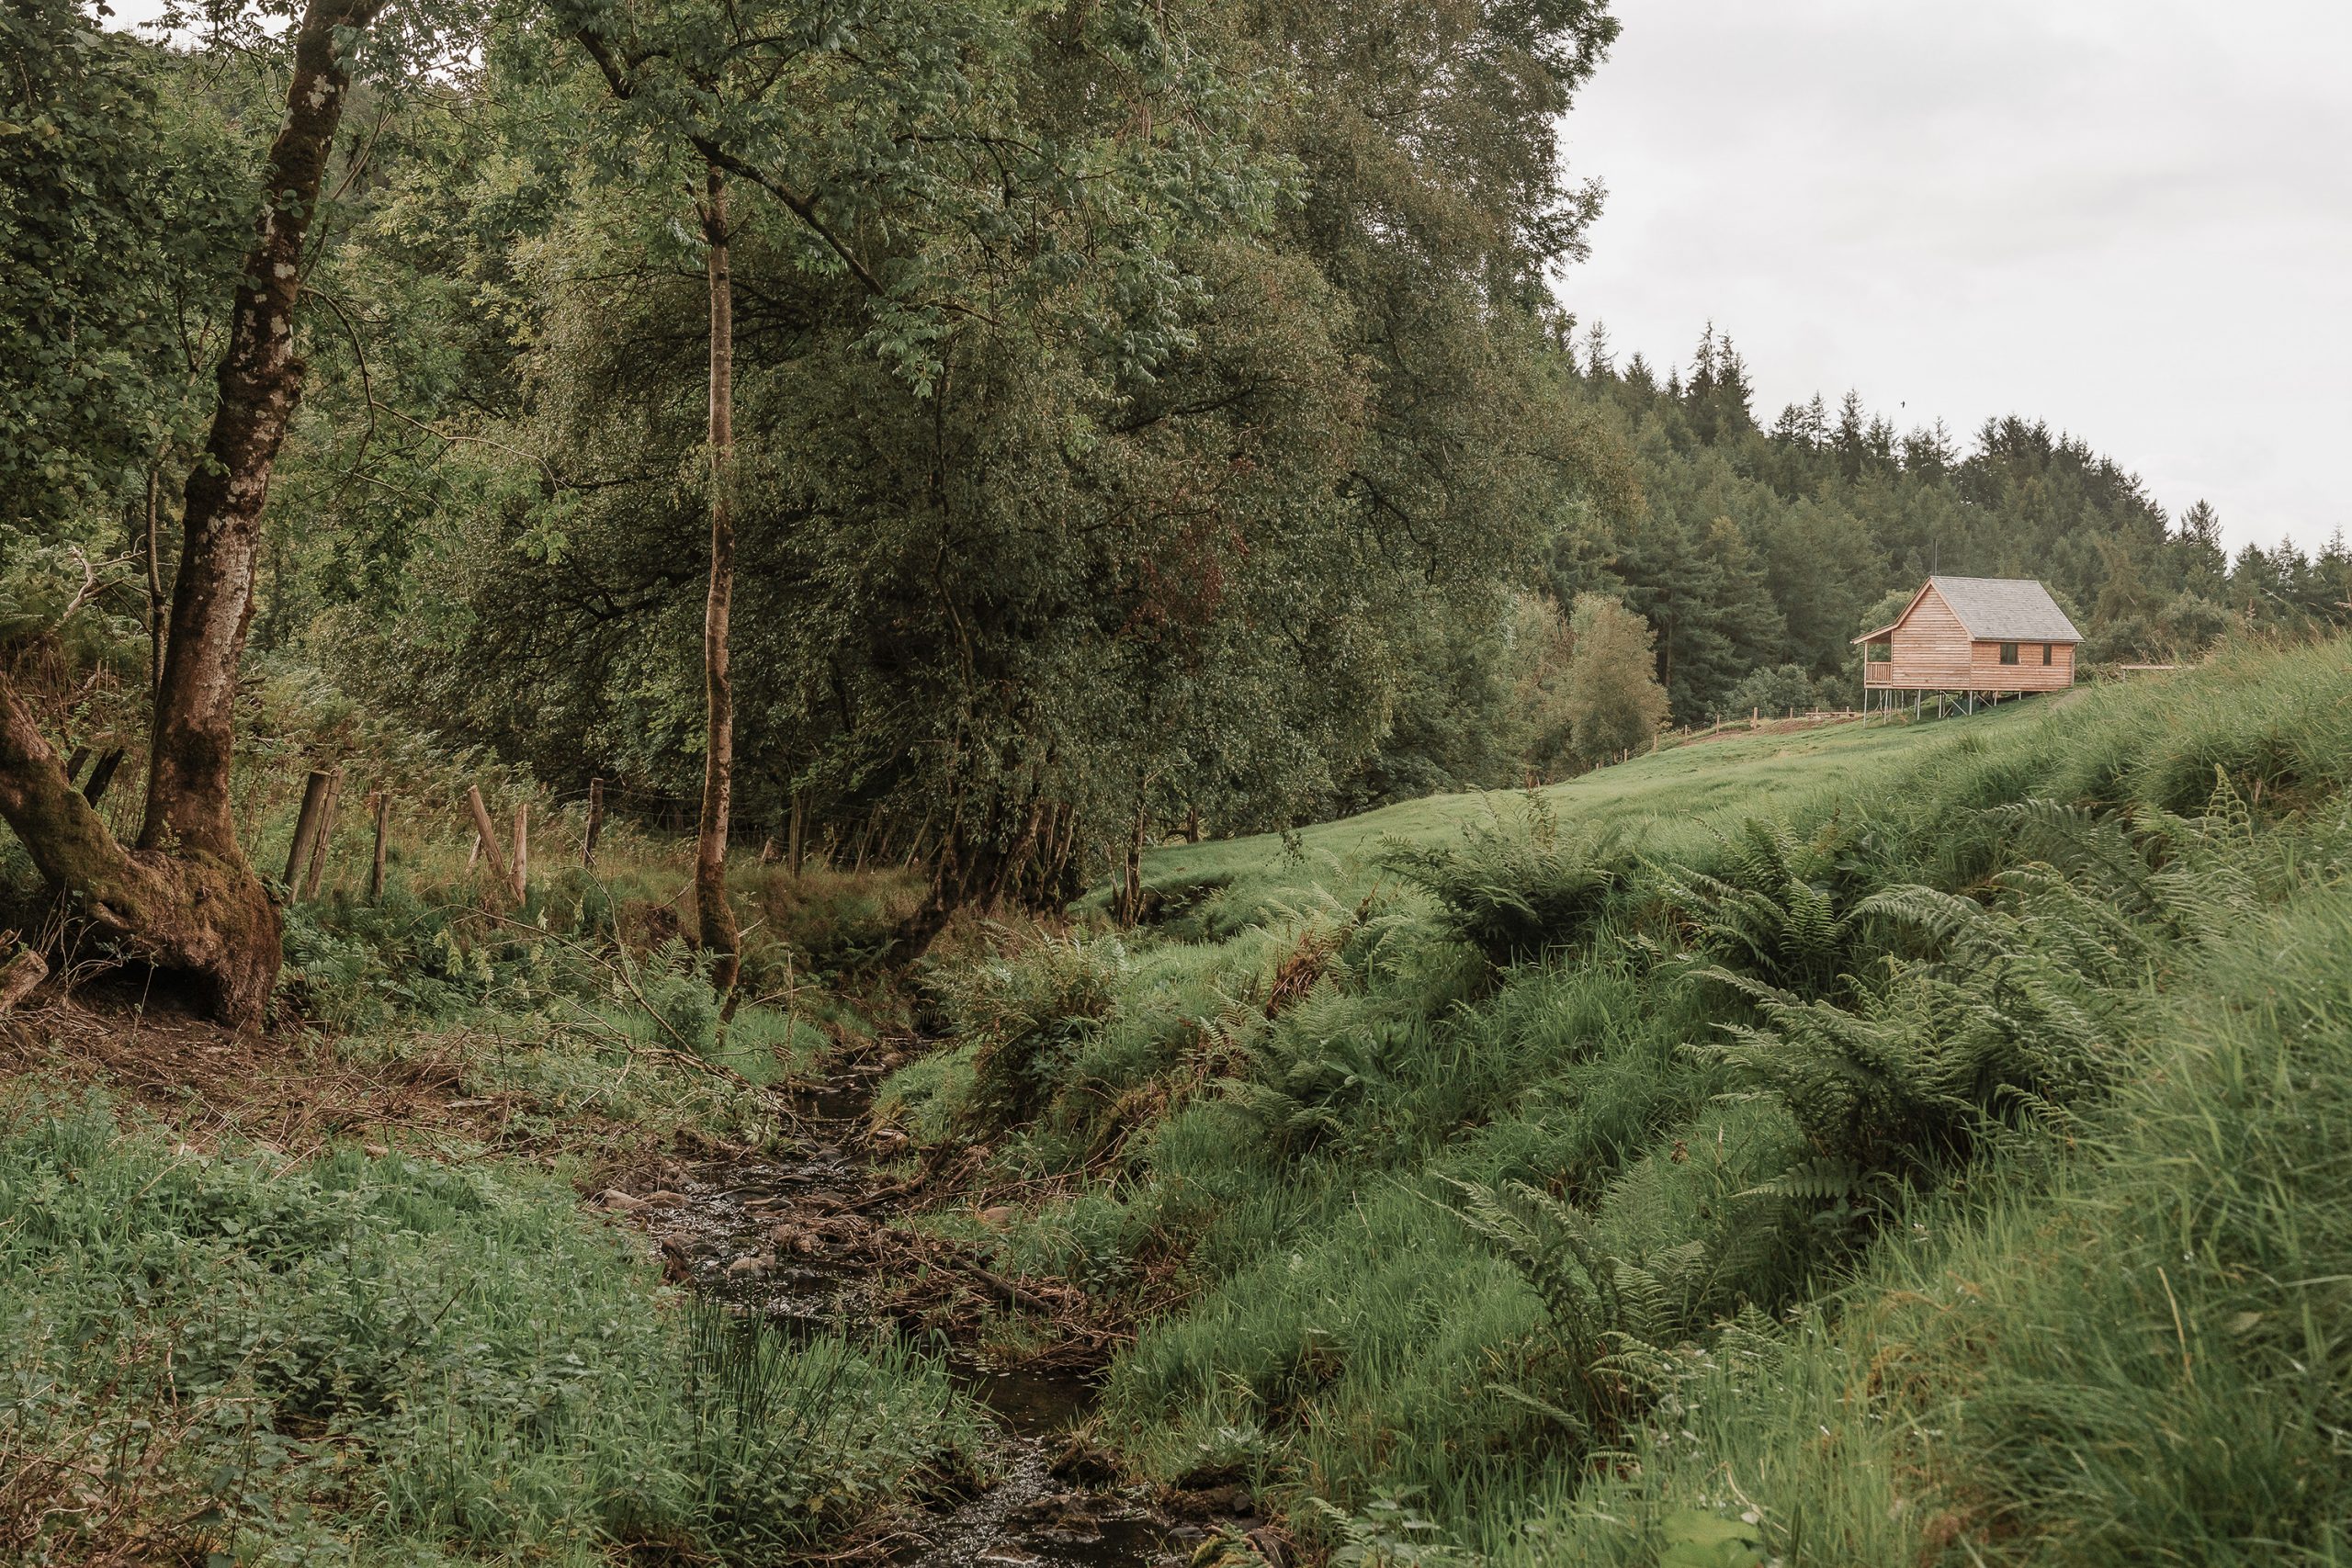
(1083, 1464)
(789, 1238)
(1206, 1501)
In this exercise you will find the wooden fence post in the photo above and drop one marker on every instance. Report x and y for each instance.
(382, 802)
(522, 846)
(306, 831)
(486, 837)
(595, 823)
(102, 775)
(320, 845)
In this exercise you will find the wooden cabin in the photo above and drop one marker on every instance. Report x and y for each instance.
(1977, 639)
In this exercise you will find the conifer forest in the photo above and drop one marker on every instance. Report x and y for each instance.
(963, 782)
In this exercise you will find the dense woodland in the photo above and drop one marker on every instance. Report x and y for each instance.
(1093, 374)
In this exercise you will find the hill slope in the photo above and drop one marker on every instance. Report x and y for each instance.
(1569, 1182)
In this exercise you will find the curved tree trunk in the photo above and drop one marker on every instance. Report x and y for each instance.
(714, 916)
(183, 899)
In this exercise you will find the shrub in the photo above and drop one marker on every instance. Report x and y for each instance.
(1778, 909)
(1515, 892)
(1025, 1014)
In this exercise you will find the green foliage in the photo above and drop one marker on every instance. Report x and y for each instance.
(1609, 1315)
(1615, 703)
(1786, 689)
(1756, 553)
(1024, 1016)
(1515, 892)
(1779, 909)
(1390, 1533)
(1511, 1240)
(119, 230)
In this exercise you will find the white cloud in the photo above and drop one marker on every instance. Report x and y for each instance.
(2131, 218)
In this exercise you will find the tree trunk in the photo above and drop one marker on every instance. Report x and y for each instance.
(154, 583)
(714, 917)
(184, 899)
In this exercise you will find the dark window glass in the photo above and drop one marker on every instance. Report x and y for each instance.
(2045, 653)
(2009, 653)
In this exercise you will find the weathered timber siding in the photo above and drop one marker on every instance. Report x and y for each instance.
(1929, 647)
(1930, 651)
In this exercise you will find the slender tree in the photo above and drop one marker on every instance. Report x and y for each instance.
(714, 916)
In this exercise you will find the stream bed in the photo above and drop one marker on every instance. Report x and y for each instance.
(758, 1237)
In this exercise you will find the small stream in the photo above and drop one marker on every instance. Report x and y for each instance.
(753, 1235)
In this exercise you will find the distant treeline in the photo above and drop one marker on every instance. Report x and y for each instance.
(1757, 551)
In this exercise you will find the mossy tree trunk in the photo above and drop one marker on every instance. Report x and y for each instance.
(184, 898)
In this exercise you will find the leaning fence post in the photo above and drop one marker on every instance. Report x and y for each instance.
(382, 802)
(306, 831)
(486, 837)
(326, 835)
(522, 846)
(595, 823)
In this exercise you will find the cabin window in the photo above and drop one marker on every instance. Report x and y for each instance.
(1878, 652)
(2009, 653)
(2045, 653)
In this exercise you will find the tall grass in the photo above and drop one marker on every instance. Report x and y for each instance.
(385, 1357)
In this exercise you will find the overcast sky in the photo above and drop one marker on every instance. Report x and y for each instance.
(2130, 217)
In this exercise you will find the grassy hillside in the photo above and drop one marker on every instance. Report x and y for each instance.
(1919, 1143)
(1666, 792)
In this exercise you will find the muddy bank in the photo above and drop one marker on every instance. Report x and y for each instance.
(806, 1241)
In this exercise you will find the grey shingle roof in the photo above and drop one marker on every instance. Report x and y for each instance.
(2006, 609)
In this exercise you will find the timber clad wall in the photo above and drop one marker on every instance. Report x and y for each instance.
(1929, 649)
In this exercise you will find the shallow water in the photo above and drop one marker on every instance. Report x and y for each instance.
(1027, 1517)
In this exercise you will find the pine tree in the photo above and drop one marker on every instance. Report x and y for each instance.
(1852, 439)
(1599, 360)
